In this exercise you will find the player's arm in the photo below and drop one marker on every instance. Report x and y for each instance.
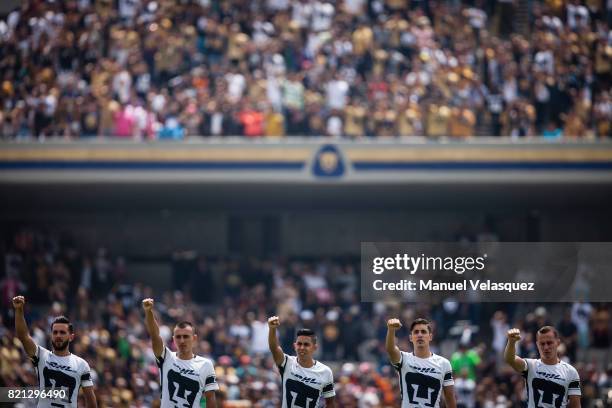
(211, 399)
(90, 397)
(449, 396)
(392, 350)
(573, 390)
(510, 357)
(328, 392)
(153, 327)
(574, 401)
(21, 327)
(277, 352)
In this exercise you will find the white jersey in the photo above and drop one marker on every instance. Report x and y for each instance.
(184, 381)
(66, 373)
(549, 386)
(422, 379)
(304, 387)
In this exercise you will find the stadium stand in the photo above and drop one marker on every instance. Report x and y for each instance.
(143, 70)
(172, 70)
(231, 323)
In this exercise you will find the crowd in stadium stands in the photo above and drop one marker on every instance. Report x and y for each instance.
(230, 317)
(162, 69)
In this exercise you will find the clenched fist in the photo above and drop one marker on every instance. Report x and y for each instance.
(394, 324)
(147, 304)
(274, 321)
(18, 302)
(514, 335)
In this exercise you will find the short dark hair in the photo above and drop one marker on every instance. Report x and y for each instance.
(548, 329)
(63, 320)
(184, 324)
(308, 333)
(420, 320)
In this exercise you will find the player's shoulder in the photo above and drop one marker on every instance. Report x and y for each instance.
(79, 361)
(40, 355)
(568, 368)
(532, 361)
(42, 351)
(322, 371)
(324, 367)
(203, 361)
(168, 354)
(439, 358)
(404, 357)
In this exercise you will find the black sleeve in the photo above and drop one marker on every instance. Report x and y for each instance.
(282, 366)
(35, 359)
(160, 359)
(398, 366)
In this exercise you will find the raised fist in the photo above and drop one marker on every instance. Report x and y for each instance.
(274, 321)
(394, 324)
(18, 302)
(514, 335)
(147, 304)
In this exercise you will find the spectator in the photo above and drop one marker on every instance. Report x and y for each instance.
(147, 70)
(581, 317)
(465, 359)
(600, 328)
(465, 388)
(569, 335)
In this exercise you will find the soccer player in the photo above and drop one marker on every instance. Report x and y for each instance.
(183, 375)
(59, 369)
(423, 374)
(304, 380)
(551, 383)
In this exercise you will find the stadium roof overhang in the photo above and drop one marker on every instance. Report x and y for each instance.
(306, 174)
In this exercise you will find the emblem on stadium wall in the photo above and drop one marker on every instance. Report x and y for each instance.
(328, 162)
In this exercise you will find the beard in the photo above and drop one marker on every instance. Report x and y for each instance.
(60, 345)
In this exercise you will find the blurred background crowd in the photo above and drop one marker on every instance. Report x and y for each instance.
(229, 300)
(166, 69)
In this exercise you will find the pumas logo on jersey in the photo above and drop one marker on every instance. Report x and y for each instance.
(547, 394)
(182, 390)
(425, 370)
(422, 390)
(549, 375)
(306, 380)
(299, 395)
(184, 371)
(59, 366)
(58, 380)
